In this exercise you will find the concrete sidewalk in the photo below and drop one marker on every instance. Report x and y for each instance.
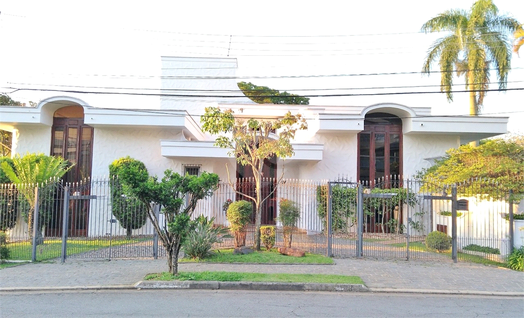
(378, 276)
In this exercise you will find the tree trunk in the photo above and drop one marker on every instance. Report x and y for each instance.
(129, 233)
(258, 215)
(473, 107)
(172, 258)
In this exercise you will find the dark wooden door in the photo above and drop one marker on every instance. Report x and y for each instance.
(246, 184)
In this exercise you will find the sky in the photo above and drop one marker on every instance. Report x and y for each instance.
(373, 49)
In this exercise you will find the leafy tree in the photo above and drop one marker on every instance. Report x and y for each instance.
(36, 170)
(249, 142)
(127, 209)
(171, 194)
(491, 169)
(478, 41)
(6, 136)
(266, 95)
(519, 39)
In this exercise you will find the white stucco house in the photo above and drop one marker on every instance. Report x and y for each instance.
(341, 140)
(357, 142)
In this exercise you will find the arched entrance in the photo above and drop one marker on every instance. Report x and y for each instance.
(380, 147)
(73, 141)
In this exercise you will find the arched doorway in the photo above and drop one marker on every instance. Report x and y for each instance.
(73, 141)
(380, 147)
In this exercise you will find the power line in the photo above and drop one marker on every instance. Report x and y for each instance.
(240, 91)
(199, 77)
(259, 96)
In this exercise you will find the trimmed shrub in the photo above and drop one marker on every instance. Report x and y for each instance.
(268, 236)
(438, 241)
(289, 213)
(516, 259)
(239, 215)
(201, 238)
(4, 250)
(127, 209)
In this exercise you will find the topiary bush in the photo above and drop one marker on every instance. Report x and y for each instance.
(438, 241)
(516, 259)
(268, 236)
(288, 215)
(239, 215)
(4, 250)
(127, 209)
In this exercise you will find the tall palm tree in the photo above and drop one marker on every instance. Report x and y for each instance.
(519, 39)
(479, 41)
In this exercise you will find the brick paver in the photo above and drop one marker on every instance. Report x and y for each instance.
(402, 275)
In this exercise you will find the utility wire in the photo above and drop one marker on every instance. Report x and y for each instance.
(269, 77)
(259, 96)
(240, 91)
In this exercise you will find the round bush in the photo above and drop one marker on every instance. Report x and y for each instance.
(239, 215)
(438, 241)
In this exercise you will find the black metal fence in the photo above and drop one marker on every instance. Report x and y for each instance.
(388, 219)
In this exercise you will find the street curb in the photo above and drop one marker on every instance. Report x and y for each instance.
(446, 292)
(64, 288)
(267, 286)
(250, 286)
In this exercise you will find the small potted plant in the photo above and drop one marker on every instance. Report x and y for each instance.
(239, 215)
(289, 214)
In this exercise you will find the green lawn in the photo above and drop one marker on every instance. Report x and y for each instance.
(52, 248)
(421, 247)
(262, 257)
(257, 277)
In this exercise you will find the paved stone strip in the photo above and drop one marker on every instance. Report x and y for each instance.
(377, 275)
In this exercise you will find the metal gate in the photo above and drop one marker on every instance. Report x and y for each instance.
(390, 219)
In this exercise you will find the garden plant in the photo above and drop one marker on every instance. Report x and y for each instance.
(239, 215)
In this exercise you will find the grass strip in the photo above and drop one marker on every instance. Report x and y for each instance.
(262, 257)
(256, 277)
(476, 259)
(52, 248)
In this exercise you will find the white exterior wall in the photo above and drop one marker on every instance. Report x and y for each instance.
(142, 144)
(339, 158)
(174, 69)
(418, 147)
(32, 139)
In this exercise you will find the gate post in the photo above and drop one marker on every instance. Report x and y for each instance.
(329, 222)
(360, 220)
(35, 225)
(454, 223)
(155, 234)
(65, 224)
(511, 229)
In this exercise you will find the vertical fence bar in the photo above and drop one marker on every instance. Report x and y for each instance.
(360, 220)
(454, 223)
(511, 228)
(408, 225)
(329, 222)
(155, 234)
(65, 224)
(35, 225)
